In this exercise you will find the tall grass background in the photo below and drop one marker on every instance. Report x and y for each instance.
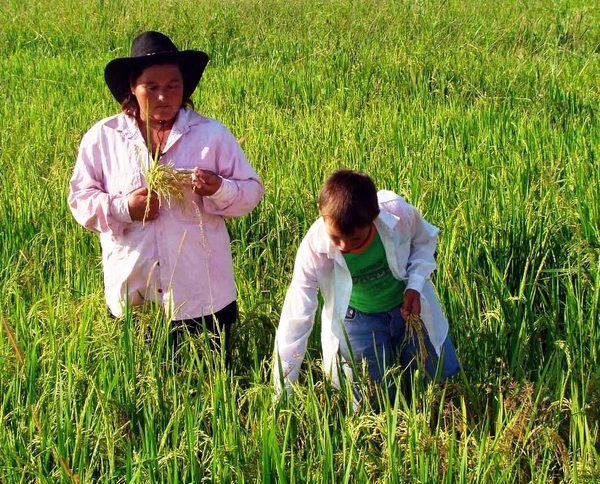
(482, 114)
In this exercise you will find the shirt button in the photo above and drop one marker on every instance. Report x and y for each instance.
(160, 291)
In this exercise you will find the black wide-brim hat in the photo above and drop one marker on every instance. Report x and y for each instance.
(151, 48)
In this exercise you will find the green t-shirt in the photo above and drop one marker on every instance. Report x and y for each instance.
(374, 288)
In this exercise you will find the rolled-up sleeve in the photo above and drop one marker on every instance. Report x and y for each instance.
(88, 199)
(241, 188)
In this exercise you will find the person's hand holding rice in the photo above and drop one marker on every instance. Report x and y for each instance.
(205, 182)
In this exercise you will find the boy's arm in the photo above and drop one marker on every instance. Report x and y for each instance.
(296, 322)
(421, 261)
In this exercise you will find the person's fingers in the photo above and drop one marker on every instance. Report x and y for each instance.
(149, 203)
(404, 311)
(206, 176)
(417, 304)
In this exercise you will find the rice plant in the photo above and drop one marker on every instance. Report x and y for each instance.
(484, 115)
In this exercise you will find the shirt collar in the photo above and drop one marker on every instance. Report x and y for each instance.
(127, 125)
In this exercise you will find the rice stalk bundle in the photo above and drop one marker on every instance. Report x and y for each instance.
(167, 182)
(416, 330)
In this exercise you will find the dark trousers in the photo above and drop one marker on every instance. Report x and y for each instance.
(218, 325)
(222, 320)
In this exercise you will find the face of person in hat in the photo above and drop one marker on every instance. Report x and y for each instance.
(159, 92)
(154, 77)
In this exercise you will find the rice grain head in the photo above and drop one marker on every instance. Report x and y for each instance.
(167, 182)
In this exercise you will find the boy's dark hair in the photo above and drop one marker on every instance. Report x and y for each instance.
(348, 200)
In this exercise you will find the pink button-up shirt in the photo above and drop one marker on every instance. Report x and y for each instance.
(182, 259)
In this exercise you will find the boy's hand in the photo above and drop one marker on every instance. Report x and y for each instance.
(412, 303)
(205, 182)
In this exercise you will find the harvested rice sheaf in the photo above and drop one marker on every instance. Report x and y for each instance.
(167, 182)
(416, 330)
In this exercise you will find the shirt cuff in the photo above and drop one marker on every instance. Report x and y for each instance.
(416, 282)
(119, 209)
(226, 192)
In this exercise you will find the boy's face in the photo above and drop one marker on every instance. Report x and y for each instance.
(343, 242)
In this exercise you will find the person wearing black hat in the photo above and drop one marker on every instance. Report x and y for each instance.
(176, 255)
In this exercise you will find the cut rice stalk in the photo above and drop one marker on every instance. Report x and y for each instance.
(167, 182)
(415, 328)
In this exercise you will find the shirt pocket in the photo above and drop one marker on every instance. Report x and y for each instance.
(187, 156)
(124, 181)
(124, 168)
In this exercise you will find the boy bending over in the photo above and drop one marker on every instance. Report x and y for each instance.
(371, 254)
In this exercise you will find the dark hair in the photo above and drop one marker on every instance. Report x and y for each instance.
(130, 104)
(349, 200)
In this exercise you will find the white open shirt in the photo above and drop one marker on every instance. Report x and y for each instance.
(409, 242)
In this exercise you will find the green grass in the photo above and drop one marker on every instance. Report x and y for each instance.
(485, 115)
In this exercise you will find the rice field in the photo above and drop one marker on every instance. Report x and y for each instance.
(484, 115)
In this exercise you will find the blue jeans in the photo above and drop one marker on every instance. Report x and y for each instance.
(380, 339)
